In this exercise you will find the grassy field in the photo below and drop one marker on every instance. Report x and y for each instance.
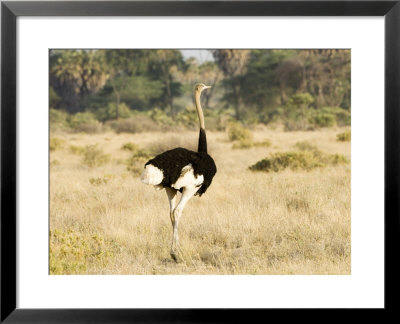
(103, 220)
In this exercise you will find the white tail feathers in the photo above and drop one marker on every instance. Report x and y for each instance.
(151, 175)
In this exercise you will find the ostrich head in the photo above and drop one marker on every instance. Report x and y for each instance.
(200, 87)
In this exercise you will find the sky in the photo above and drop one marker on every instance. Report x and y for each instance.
(200, 54)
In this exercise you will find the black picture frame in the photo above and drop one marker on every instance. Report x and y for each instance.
(10, 10)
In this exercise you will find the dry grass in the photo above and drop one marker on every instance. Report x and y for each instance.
(103, 220)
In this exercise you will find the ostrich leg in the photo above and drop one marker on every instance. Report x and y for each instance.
(188, 192)
(171, 193)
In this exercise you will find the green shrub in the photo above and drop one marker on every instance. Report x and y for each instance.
(160, 117)
(142, 154)
(342, 116)
(344, 137)
(130, 147)
(54, 163)
(236, 132)
(98, 181)
(335, 159)
(81, 118)
(307, 158)
(187, 118)
(93, 156)
(54, 98)
(328, 159)
(136, 162)
(58, 119)
(330, 116)
(78, 150)
(110, 111)
(56, 143)
(297, 112)
(85, 122)
(323, 119)
(74, 252)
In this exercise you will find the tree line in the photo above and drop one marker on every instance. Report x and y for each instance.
(298, 87)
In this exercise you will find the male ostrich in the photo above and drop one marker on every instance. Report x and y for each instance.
(182, 170)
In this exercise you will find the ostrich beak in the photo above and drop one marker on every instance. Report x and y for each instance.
(207, 87)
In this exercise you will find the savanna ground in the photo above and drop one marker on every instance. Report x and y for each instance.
(103, 220)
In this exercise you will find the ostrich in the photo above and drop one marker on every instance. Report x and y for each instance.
(182, 170)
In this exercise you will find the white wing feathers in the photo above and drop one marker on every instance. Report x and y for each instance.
(188, 179)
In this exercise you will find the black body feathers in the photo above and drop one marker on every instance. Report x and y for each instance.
(172, 162)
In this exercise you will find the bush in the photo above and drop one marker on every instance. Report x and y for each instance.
(187, 118)
(78, 150)
(54, 163)
(297, 112)
(236, 132)
(344, 137)
(308, 158)
(93, 156)
(305, 160)
(139, 157)
(58, 119)
(110, 111)
(160, 117)
(142, 154)
(335, 159)
(136, 162)
(54, 98)
(100, 181)
(130, 147)
(330, 116)
(84, 122)
(81, 118)
(323, 119)
(242, 137)
(342, 116)
(56, 143)
(73, 252)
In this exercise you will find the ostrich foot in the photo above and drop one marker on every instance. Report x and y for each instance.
(177, 258)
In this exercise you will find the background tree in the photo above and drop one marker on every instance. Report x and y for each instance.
(210, 74)
(264, 88)
(75, 74)
(233, 64)
(164, 65)
(327, 76)
(253, 86)
(123, 66)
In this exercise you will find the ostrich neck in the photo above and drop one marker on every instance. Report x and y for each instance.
(199, 110)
